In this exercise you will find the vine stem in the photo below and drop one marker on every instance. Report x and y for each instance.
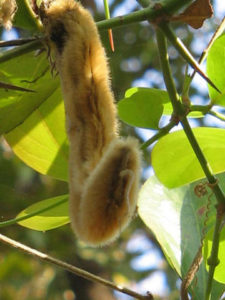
(71, 268)
(181, 115)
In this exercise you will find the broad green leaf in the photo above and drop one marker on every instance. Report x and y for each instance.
(215, 70)
(25, 17)
(142, 107)
(175, 162)
(177, 219)
(41, 141)
(28, 71)
(46, 214)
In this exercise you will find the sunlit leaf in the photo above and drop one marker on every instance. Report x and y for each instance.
(175, 162)
(41, 141)
(215, 70)
(177, 219)
(49, 214)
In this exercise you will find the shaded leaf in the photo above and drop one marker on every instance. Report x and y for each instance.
(177, 219)
(142, 107)
(49, 214)
(215, 70)
(175, 162)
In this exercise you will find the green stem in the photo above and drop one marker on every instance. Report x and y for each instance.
(167, 75)
(19, 219)
(162, 131)
(168, 7)
(107, 12)
(184, 52)
(213, 260)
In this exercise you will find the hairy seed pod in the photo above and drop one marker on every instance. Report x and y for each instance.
(98, 158)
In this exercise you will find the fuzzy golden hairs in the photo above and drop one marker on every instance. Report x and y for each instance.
(104, 170)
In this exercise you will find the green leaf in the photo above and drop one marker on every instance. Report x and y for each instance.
(25, 17)
(46, 214)
(142, 107)
(215, 70)
(175, 162)
(41, 141)
(177, 219)
(27, 71)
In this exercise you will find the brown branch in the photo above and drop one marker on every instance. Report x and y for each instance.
(191, 274)
(72, 269)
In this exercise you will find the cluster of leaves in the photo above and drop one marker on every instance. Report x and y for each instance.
(34, 128)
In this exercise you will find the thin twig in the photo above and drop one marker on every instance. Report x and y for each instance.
(71, 268)
(8, 86)
(18, 42)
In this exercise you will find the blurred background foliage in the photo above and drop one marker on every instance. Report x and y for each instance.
(134, 260)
